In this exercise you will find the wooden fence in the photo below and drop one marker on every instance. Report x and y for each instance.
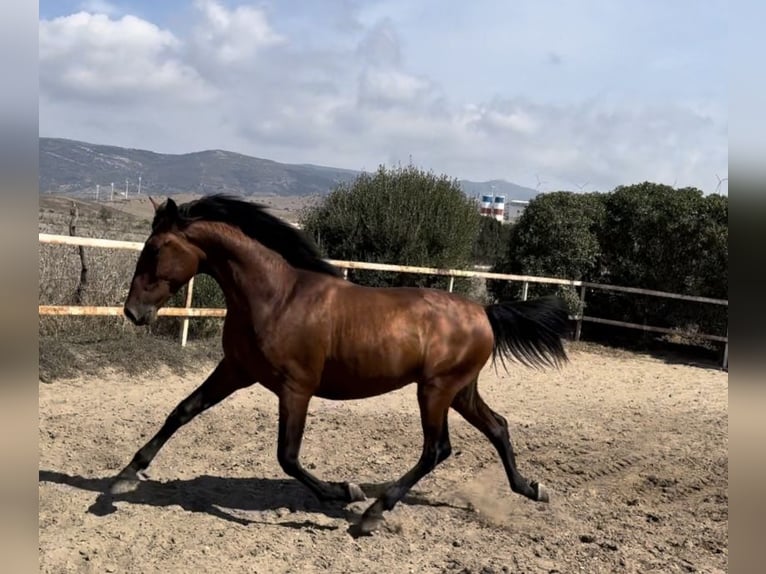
(188, 311)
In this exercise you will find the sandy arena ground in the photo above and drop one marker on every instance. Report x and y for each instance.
(633, 449)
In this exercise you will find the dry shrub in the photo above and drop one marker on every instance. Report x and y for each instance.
(86, 344)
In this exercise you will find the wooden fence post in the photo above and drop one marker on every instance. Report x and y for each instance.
(82, 286)
(524, 290)
(451, 283)
(578, 329)
(187, 305)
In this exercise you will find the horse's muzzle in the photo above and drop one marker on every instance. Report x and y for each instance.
(140, 314)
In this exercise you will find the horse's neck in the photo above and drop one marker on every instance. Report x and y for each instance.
(250, 275)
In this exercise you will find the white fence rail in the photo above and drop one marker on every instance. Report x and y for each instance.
(188, 311)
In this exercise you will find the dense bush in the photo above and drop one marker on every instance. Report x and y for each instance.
(646, 235)
(663, 238)
(658, 237)
(556, 236)
(491, 241)
(402, 216)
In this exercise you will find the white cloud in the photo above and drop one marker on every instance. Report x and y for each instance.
(380, 45)
(568, 145)
(235, 80)
(233, 36)
(92, 56)
(515, 119)
(381, 87)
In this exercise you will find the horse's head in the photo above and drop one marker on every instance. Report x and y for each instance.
(167, 262)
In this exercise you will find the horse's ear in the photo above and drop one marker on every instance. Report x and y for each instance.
(171, 208)
(155, 205)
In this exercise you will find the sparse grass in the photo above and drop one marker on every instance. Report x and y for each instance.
(70, 357)
(70, 346)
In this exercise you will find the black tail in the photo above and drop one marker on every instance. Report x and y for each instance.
(529, 331)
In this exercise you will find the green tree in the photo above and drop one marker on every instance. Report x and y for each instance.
(647, 235)
(713, 271)
(402, 216)
(556, 236)
(491, 241)
(651, 236)
(657, 237)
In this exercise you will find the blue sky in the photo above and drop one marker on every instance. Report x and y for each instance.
(578, 95)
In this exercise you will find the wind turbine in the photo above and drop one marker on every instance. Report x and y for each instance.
(720, 182)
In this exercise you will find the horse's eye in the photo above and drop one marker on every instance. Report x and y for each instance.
(151, 252)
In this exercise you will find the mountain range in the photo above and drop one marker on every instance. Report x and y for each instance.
(76, 168)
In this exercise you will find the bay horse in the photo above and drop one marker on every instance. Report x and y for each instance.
(294, 325)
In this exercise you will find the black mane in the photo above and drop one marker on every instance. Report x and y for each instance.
(255, 222)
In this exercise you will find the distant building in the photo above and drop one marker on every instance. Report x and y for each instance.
(514, 208)
(498, 209)
(486, 205)
(493, 206)
(496, 206)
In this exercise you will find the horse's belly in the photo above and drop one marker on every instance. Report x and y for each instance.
(340, 385)
(365, 366)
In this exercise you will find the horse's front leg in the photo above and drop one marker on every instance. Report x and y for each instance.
(222, 382)
(293, 407)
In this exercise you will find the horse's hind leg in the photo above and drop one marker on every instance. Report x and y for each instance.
(219, 385)
(434, 401)
(473, 408)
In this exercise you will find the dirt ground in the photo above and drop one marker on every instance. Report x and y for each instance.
(633, 449)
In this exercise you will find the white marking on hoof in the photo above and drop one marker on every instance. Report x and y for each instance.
(355, 493)
(124, 486)
(128, 482)
(542, 494)
(369, 524)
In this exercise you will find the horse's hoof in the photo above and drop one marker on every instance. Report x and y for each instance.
(128, 482)
(542, 494)
(368, 524)
(355, 493)
(124, 485)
